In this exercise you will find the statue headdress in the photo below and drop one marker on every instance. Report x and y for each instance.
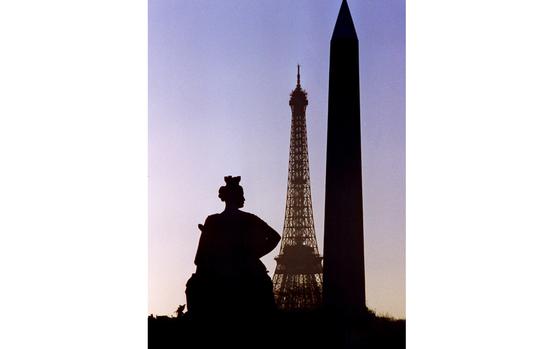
(231, 188)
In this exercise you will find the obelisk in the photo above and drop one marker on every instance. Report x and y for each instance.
(343, 264)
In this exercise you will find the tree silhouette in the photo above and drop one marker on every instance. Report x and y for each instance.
(180, 310)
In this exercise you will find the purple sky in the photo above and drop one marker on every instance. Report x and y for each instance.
(220, 75)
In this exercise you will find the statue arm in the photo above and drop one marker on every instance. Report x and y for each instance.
(270, 238)
(202, 244)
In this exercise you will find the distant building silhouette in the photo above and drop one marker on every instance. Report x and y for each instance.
(344, 280)
(298, 278)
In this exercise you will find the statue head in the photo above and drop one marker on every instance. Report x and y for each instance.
(232, 192)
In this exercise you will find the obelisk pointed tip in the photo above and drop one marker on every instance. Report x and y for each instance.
(344, 27)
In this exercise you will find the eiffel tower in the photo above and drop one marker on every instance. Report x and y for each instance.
(298, 278)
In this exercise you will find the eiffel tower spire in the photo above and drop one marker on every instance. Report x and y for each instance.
(298, 278)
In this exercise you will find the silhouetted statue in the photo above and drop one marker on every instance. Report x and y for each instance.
(230, 278)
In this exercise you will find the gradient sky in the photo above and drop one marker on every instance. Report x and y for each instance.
(220, 75)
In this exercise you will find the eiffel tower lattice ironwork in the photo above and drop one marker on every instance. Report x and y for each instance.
(298, 278)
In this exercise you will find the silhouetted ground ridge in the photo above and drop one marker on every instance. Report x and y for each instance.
(311, 329)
